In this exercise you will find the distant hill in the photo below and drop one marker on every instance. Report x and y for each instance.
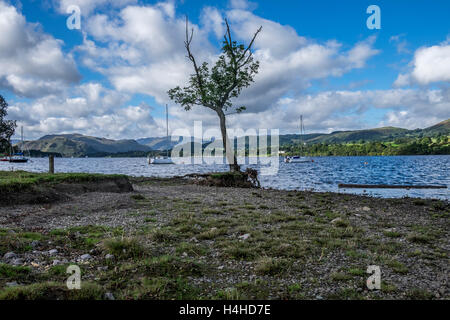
(442, 127)
(77, 145)
(376, 134)
(158, 143)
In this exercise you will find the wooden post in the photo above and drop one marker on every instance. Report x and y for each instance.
(51, 164)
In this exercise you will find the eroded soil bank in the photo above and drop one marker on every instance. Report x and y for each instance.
(170, 238)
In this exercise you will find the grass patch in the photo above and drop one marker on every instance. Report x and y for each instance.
(270, 266)
(419, 238)
(124, 248)
(52, 291)
(138, 197)
(340, 276)
(14, 181)
(8, 272)
(397, 266)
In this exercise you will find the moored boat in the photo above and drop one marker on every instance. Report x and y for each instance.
(301, 158)
(166, 159)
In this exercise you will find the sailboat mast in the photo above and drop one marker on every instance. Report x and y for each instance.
(21, 135)
(301, 135)
(167, 129)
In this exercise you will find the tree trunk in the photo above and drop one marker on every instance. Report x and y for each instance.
(231, 156)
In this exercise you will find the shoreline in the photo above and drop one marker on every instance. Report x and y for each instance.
(171, 239)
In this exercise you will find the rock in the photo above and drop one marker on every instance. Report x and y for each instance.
(244, 236)
(56, 262)
(184, 254)
(220, 267)
(319, 298)
(17, 262)
(9, 255)
(102, 268)
(12, 284)
(53, 252)
(86, 257)
(194, 239)
(109, 296)
(366, 209)
(35, 243)
(109, 256)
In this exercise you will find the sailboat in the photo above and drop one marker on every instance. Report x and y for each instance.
(166, 159)
(300, 158)
(19, 157)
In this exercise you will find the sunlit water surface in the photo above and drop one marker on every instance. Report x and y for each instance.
(324, 174)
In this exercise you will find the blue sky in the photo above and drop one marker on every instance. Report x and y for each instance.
(318, 58)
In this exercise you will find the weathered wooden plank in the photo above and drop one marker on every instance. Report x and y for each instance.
(390, 186)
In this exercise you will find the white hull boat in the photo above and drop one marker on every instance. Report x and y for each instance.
(166, 159)
(297, 159)
(160, 161)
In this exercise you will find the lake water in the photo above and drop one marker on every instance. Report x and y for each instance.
(324, 174)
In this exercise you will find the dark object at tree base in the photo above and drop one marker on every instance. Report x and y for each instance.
(18, 160)
(389, 186)
(237, 179)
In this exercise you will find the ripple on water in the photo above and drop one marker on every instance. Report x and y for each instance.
(324, 174)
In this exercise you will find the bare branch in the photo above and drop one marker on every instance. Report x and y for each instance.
(250, 45)
(191, 57)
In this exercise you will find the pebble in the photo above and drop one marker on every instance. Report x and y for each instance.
(9, 255)
(85, 257)
(336, 220)
(12, 284)
(56, 262)
(244, 236)
(53, 252)
(109, 256)
(17, 262)
(35, 243)
(109, 296)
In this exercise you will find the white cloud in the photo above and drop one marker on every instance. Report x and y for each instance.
(430, 65)
(32, 63)
(88, 6)
(140, 49)
(91, 109)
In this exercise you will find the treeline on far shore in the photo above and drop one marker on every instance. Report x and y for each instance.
(129, 154)
(438, 145)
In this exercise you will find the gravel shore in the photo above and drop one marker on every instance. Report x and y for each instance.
(172, 239)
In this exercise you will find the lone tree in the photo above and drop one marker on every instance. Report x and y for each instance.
(7, 127)
(214, 87)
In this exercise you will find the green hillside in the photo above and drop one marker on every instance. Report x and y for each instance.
(77, 145)
(366, 135)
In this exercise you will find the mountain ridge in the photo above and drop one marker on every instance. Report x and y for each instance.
(79, 145)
